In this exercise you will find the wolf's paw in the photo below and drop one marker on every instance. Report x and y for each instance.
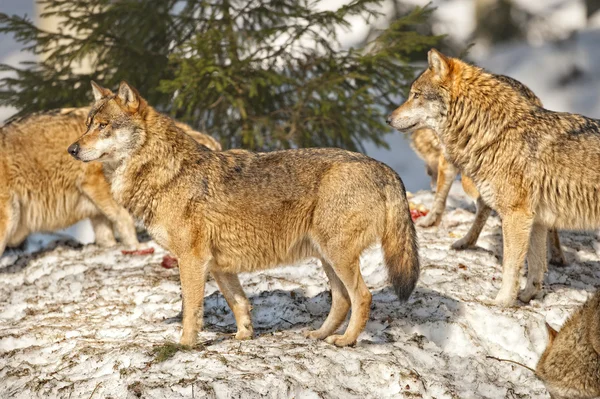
(339, 340)
(314, 334)
(596, 244)
(504, 300)
(432, 219)
(463, 243)
(244, 334)
(106, 242)
(530, 293)
(558, 260)
(188, 339)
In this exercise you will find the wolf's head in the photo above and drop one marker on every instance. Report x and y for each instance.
(429, 98)
(570, 364)
(115, 125)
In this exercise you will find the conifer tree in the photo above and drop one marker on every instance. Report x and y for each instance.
(259, 74)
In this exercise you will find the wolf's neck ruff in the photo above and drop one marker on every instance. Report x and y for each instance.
(153, 165)
(471, 131)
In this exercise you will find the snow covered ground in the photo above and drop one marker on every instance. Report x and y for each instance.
(90, 322)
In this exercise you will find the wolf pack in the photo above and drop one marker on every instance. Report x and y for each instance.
(222, 213)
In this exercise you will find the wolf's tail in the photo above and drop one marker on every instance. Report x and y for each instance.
(399, 242)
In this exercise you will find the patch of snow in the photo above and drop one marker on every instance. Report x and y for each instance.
(77, 320)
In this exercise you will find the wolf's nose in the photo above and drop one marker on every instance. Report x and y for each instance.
(389, 120)
(73, 149)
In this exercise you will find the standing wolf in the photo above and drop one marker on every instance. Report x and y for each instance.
(570, 365)
(532, 165)
(43, 189)
(426, 144)
(235, 211)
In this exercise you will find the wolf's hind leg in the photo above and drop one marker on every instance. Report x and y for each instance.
(340, 304)
(470, 239)
(103, 231)
(230, 287)
(347, 269)
(536, 262)
(557, 256)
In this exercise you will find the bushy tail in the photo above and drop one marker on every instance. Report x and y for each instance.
(399, 243)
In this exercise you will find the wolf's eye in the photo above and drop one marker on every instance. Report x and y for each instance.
(101, 126)
(416, 95)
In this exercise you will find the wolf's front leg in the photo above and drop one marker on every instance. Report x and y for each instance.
(193, 271)
(536, 263)
(516, 229)
(446, 175)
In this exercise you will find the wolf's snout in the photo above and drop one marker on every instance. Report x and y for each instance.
(74, 150)
(388, 120)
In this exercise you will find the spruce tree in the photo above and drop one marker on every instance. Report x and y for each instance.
(259, 74)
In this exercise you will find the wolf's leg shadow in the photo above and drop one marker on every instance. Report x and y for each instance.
(230, 287)
(536, 263)
(340, 305)
(193, 271)
(97, 189)
(103, 231)
(446, 175)
(516, 230)
(470, 239)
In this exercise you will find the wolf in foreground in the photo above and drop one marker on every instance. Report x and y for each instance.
(530, 164)
(426, 145)
(570, 365)
(44, 189)
(236, 211)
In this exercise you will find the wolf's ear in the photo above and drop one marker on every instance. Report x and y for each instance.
(438, 63)
(129, 96)
(552, 333)
(99, 91)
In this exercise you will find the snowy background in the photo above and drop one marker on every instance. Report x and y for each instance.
(81, 321)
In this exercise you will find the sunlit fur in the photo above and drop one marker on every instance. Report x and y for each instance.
(228, 212)
(570, 365)
(45, 189)
(535, 167)
(426, 145)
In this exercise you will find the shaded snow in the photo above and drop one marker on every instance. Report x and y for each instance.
(75, 320)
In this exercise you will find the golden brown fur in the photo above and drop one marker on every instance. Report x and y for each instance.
(532, 165)
(570, 365)
(44, 189)
(426, 144)
(228, 212)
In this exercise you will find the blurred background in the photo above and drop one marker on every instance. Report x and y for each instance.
(282, 74)
(550, 45)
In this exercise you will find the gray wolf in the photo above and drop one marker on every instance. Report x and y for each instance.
(530, 164)
(44, 189)
(222, 213)
(570, 365)
(426, 145)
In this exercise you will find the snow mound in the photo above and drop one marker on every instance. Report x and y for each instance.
(83, 322)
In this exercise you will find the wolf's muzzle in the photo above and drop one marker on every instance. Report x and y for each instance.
(74, 150)
(388, 120)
